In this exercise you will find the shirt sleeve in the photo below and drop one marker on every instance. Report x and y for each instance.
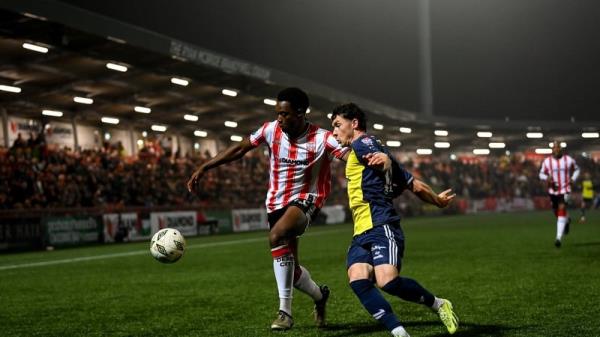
(576, 170)
(544, 171)
(364, 146)
(259, 136)
(402, 177)
(333, 148)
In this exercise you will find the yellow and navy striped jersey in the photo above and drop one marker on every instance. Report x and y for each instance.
(588, 189)
(369, 189)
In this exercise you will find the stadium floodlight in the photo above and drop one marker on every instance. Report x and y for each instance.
(405, 130)
(329, 115)
(393, 143)
(424, 152)
(140, 143)
(543, 151)
(144, 134)
(497, 145)
(107, 136)
(142, 109)
(377, 126)
(230, 124)
(83, 100)
(200, 133)
(481, 152)
(110, 120)
(440, 133)
(116, 67)
(534, 135)
(9, 88)
(484, 134)
(196, 146)
(269, 101)
(179, 81)
(52, 113)
(35, 47)
(441, 145)
(159, 128)
(33, 16)
(452, 156)
(229, 92)
(308, 110)
(236, 138)
(585, 134)
(562, 144)
(191, 118)
(116, 39)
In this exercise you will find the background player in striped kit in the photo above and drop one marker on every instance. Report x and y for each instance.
(300, 180)
(559, 171)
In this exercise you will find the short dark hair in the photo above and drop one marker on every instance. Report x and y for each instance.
(297, 98)
(351, 111)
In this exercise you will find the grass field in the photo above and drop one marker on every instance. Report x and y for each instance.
(501, 271)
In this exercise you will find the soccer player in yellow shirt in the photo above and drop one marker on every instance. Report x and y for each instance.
(587, 194)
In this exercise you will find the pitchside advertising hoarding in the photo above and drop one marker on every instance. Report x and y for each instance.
(184, 221)
(21, 234)
(72, 230)
(123, 227)
(250, 219)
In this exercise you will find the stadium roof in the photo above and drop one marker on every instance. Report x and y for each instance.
(81, 44)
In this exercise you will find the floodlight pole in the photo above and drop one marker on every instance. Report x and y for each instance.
(425, 71)
(75, 137)
(5, 127)
(132, 141)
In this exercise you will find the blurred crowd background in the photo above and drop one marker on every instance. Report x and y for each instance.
(32, 176)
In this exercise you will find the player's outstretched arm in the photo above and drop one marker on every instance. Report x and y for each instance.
(232, 153)
(426, 193)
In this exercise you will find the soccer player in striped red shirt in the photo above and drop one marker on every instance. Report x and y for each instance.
(299, 182)
(559, 171)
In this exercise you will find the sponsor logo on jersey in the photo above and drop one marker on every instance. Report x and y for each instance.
(367, 141)
(293, 161)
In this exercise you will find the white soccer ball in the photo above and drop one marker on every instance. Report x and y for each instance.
(167, 245)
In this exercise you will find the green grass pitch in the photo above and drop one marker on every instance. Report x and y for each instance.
(502, 272)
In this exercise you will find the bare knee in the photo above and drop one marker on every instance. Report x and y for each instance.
(384, 274)
(360, 271)
(276, 238)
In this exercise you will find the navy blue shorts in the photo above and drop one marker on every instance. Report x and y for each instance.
(379, 245)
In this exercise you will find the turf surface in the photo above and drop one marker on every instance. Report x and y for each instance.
(502, 272)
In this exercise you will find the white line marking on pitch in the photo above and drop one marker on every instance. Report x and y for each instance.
(145, 251)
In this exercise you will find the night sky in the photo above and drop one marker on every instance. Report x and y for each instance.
(523, 59)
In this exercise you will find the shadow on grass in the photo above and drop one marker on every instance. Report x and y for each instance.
(465, 329)
(353, 329)
(472, 330)
(586, 244)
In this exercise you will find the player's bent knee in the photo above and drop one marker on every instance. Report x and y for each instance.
(360, 271)
(384, 274)
(276, 239)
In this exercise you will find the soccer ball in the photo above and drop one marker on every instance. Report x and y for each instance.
(167, 245)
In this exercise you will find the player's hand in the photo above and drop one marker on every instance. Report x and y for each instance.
(378, 160)
(445, 198)
(192, 183)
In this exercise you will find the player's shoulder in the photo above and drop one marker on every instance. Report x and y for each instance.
(269, 126)
(366, 141)
(319, 130)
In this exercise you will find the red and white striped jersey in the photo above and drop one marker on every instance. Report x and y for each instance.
(299, 168)
(562, 171)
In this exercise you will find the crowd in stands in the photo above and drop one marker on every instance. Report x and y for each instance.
(33, 177)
